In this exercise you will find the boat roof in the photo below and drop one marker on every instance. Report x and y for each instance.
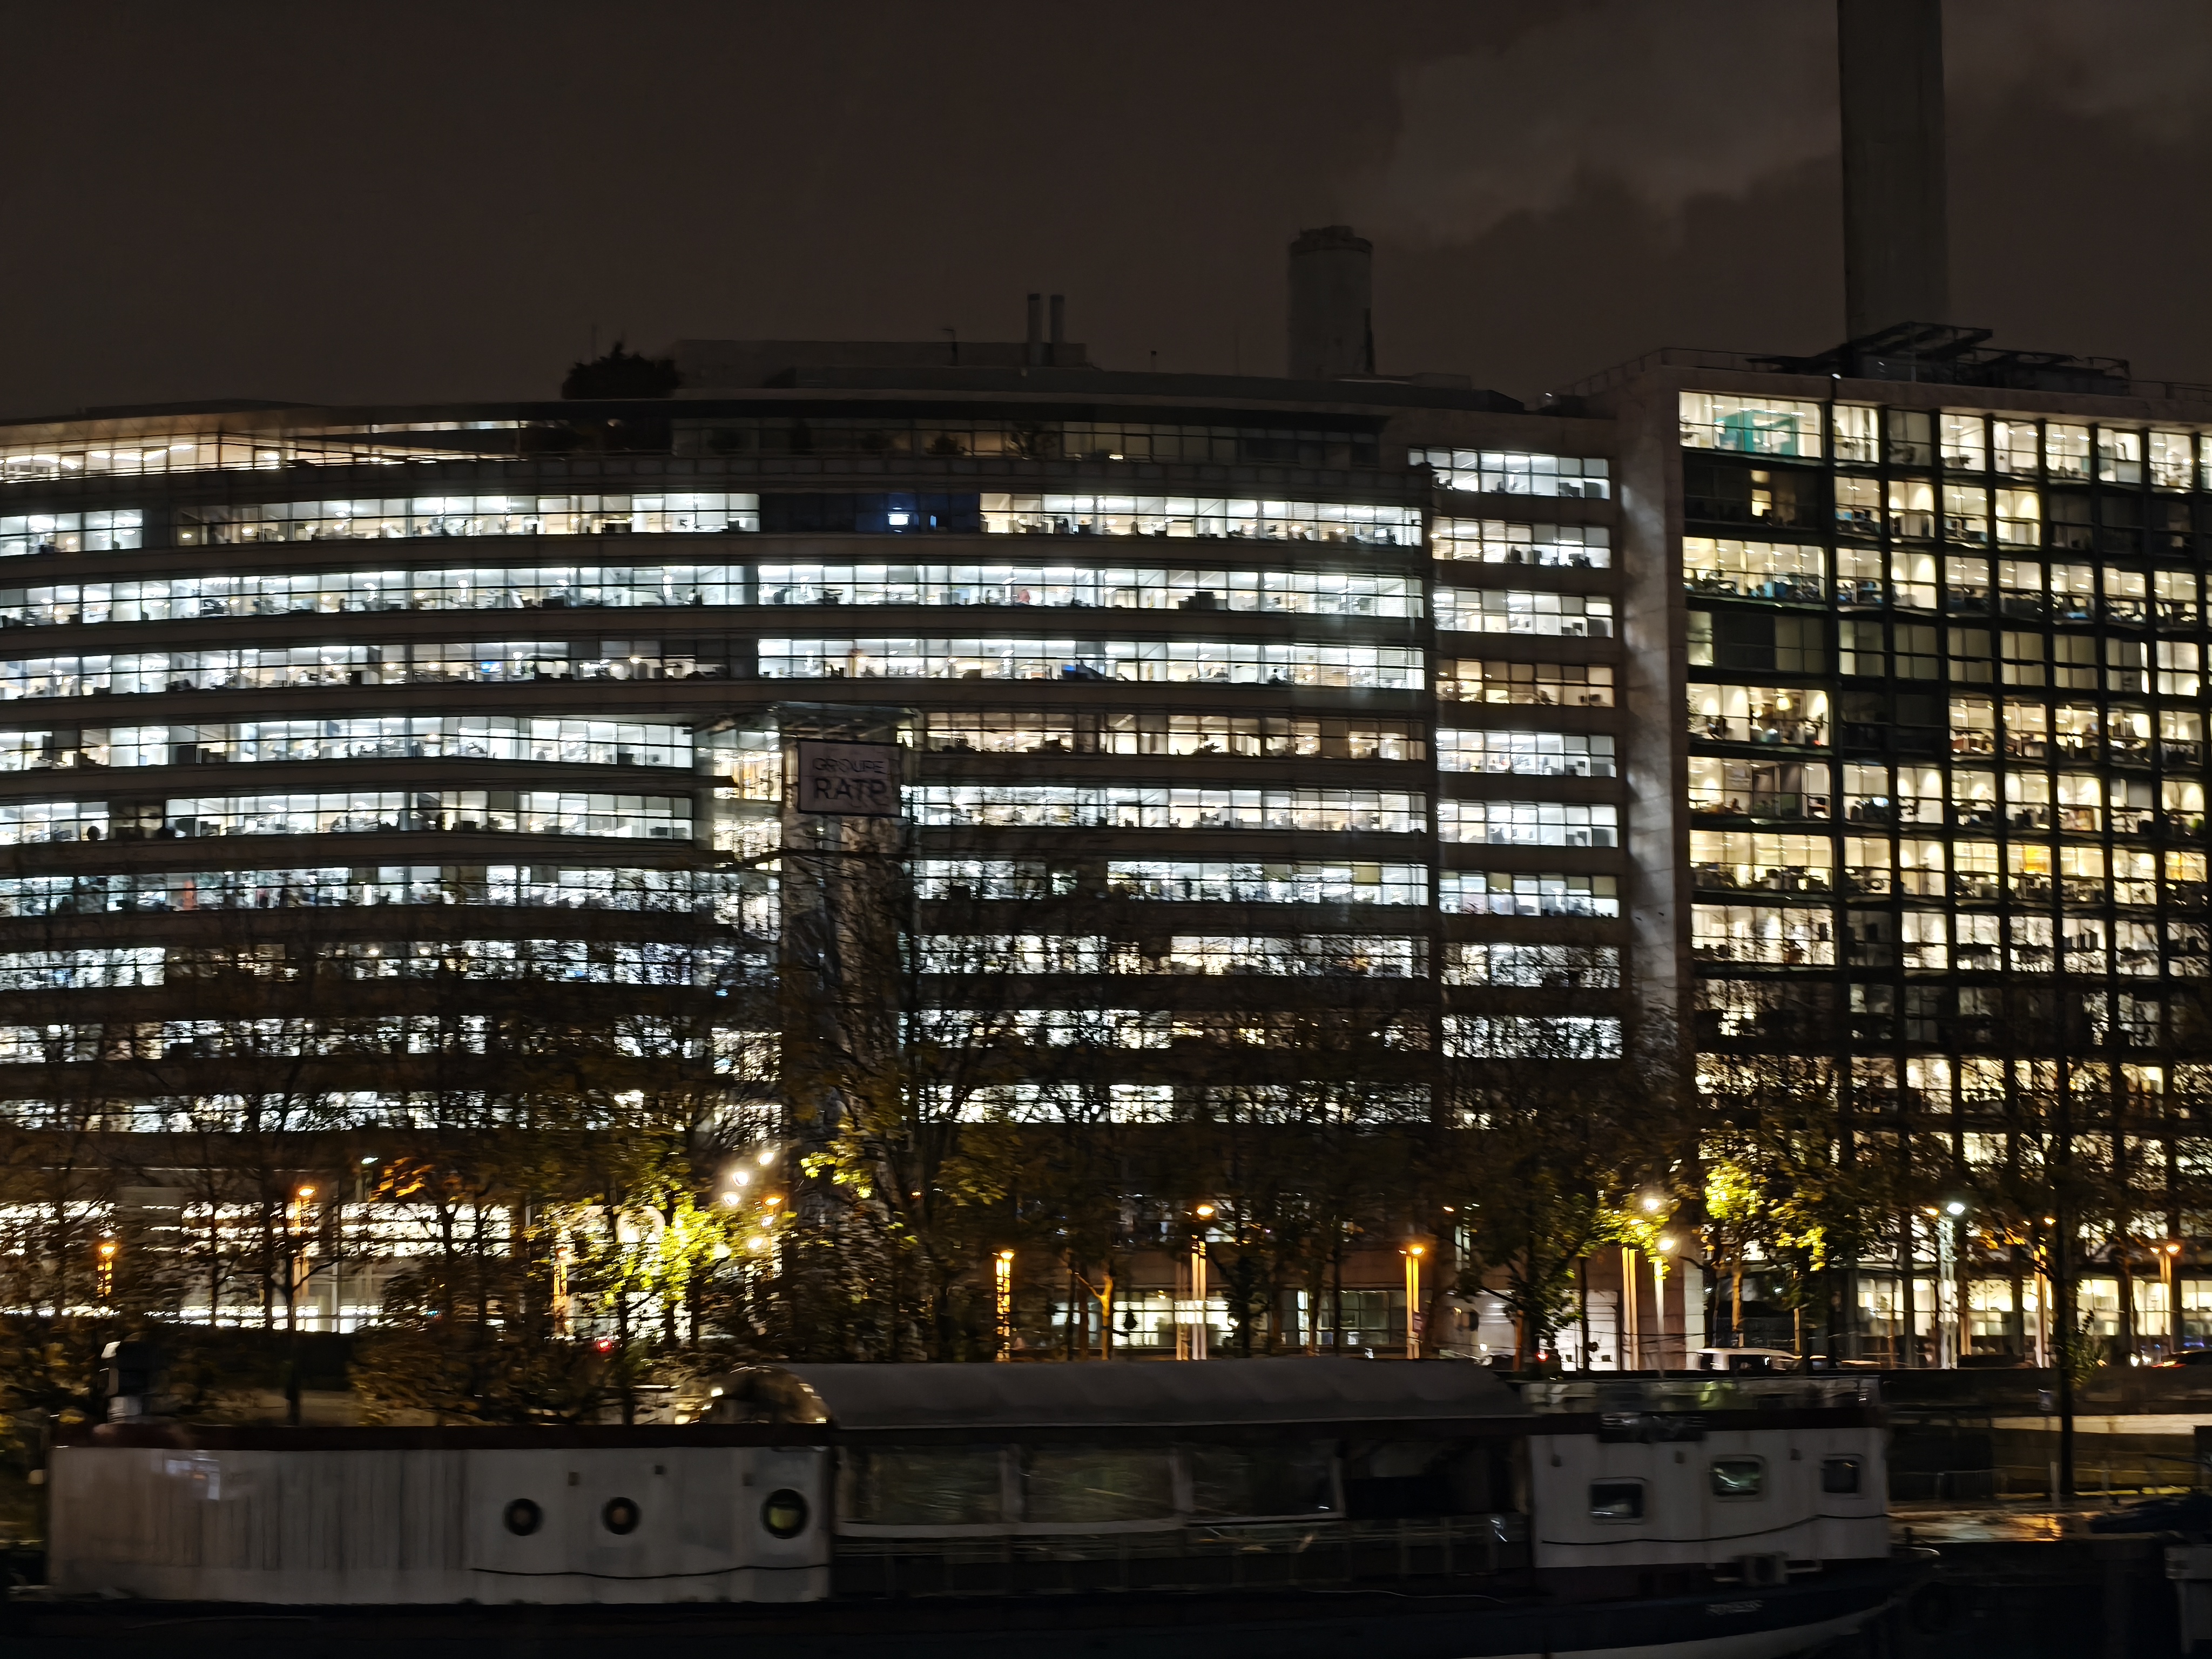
(1139, 1393)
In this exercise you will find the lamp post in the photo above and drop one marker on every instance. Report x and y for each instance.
(1661, 1251)
(1950, 1286)
(1412, 1254)
(1204, 1214)
(1002, 1286)
(2168, 1252)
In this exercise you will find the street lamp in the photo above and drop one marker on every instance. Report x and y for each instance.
(2167, 1254)
(1204, 1212)
(1413, 1301)
(1002, 1285)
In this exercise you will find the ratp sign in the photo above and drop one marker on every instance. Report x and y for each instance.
(859, 779)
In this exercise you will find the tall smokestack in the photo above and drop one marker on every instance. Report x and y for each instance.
(1896, 237)
(1332, 305)
(1034, 351)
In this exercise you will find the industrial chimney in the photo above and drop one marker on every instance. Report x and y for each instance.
(1332, 305)
(1896, 239)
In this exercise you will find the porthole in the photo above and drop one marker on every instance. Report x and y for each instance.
(522, 1517)
(784, 1513)
(1737, 1477)
(620, 1516)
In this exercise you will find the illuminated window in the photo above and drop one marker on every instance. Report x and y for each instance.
(1134, 807)
(1559, 1037)
(1565, 684)
(1240, 663)
(1494, 541)
(1208, 517)
(1532, 967)
(1752, 425)
(1527, 823)
(1518, 893)
(1531, 754)
(1289, 592)
(407, 517)
(1514, 472)
(1500, 610)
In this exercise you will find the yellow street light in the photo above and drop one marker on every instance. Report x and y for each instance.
(1205, 1211)
(1002, 1287)
(1412, 1301)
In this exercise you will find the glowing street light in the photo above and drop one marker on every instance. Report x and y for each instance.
(1002, 1286)
(1413, 1301)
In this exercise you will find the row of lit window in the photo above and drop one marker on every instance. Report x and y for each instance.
(1047, 806)
(251, 450)
(1778, 936)
(463, 737)
(567, 588)
(1182, 880)
(1496, 541)
(282, 593)
(1529, 823)
(1798, 716)
(1505, 610)
(2030, 871)
(1532, 1037)
(1237, 663)
(1254, 736)
(1862, 435)
(111, 530)
(1289, 592)
(1967, 656)
(2031, 588)
(1532, 967)
(1543, 684)
(1527, 893)
(599, 961)
(529, 812)
(808, 434)
(1384, 955)
(638, 1035)
(1920, 793)
(1517, 472)
(407, 518)
(1527, 754)
(428, 662)
(733, 898)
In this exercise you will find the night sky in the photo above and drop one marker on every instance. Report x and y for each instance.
(418, 203)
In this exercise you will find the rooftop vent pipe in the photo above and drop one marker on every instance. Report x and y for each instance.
(1896, 238)
(1332, 305)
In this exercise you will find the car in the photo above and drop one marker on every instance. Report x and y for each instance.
(1743, 1362)
(2186, 1357)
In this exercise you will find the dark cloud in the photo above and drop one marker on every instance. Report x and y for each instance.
(434, 201)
